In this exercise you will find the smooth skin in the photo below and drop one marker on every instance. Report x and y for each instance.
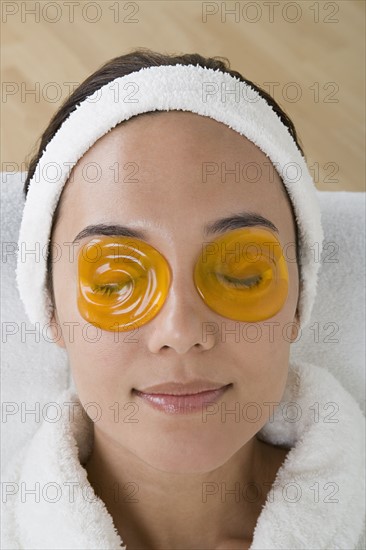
(172, 459)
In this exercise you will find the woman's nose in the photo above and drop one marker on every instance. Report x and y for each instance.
(184, 321)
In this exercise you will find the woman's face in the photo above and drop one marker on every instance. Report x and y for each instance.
(151, 178)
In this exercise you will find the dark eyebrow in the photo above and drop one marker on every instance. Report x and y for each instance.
(236, 221)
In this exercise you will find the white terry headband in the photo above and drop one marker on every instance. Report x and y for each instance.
(206, 92)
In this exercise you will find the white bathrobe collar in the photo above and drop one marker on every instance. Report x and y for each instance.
(323, 473)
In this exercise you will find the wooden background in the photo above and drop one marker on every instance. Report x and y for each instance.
(309, 54)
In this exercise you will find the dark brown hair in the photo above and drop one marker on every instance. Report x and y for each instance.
(123, 65)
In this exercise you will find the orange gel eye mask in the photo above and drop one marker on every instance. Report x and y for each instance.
(243, 275)
(123, 283)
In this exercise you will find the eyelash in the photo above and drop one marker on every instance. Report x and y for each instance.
(107, 289)
(240, 283)
(236, 283)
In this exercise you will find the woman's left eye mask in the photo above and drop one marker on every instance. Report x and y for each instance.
(122, 284)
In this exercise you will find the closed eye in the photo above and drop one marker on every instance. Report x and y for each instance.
(109, 289)
(249, 282)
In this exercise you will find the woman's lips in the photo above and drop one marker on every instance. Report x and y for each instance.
(181, 404)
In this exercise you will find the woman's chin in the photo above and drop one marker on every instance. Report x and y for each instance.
(173, 464)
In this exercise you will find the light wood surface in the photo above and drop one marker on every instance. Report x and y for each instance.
(319, 46)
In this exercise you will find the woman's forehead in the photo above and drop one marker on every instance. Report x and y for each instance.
(167, 137)
(129, 178)
(160, 154)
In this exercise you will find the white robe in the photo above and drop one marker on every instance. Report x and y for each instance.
(316, 502)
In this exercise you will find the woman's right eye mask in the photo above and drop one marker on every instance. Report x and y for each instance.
(123, 283)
